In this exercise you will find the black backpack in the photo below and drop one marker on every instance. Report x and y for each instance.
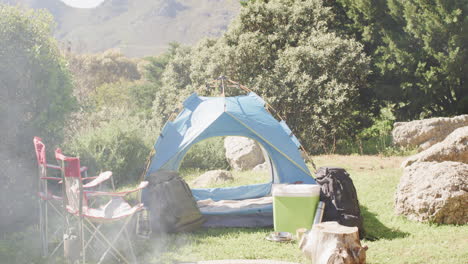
(339, 195)
(171, 204)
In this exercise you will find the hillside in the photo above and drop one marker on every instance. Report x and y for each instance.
(137, 27)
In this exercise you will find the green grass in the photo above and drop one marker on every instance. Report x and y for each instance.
(216, 243)
(391, 238)
(396, 239)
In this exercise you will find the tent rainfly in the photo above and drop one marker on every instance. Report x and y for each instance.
(245, 115)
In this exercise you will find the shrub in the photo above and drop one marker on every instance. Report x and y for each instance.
(208, 154)
(120, 145)
(35, 100)
(135, 96)
(376, 139)
(287, 52)
(93, 70)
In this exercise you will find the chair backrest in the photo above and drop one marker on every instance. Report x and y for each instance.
(72, 182)
(40, 149)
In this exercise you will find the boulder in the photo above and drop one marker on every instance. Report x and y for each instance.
(452, 148)
(427, 132)
(210, 177)
(261, 167)
(434, 192)
(243, 153)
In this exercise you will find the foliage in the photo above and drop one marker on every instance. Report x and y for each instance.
(93, 70)
(35, 84)
(156, 65)
(287, 53)
(419, 53)
(376, 139)
(111, 131)
(136, 97)
(120, 144)
(372, 140)
(175, 81)
(35, 100)
(208, 154)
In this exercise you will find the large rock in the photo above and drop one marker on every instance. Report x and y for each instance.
(427, 132)
(211, 177)
(243, 153)
(453, 148)
(262, 167)
(434, 192)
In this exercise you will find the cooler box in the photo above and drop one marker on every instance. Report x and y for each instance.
(294, 206)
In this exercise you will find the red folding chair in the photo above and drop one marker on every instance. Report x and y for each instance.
(49, 193)
(91, 219)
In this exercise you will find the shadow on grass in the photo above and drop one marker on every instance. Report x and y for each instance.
(376, 230)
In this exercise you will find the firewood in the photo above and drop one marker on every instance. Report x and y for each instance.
(332, 243)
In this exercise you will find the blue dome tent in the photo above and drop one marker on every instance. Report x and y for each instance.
(245, 115)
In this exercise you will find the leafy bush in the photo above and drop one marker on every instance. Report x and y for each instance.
(376, 139)
(208, 154)
(35, 100)
(289, 54)
(418, 50)
(93, 70)
(135, 96)
(120, 145)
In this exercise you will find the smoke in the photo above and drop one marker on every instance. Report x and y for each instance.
(19, 216)
(17, 173)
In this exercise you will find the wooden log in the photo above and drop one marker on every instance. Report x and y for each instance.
(332, 243)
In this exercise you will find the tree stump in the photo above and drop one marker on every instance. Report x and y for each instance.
(332, 243)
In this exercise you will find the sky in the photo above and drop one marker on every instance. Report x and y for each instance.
(83, 3)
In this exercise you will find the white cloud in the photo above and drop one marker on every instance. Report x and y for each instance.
(83, 3)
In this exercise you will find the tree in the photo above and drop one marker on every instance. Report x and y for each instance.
(288, 52)
(93, 70)
(36, 90)
(35, 100)
(419, 51)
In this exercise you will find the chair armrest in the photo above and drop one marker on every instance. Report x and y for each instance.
(100, 179)
(89, 178)
(51, 178)
(55, 167)
(142, 185)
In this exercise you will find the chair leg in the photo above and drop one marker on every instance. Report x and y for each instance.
(111, 244)
(132, 252)
(56, 248)
(46, 229)
(94, 235)
(42, 229)
(82, 239)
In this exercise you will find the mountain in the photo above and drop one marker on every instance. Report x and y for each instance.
(137, 27)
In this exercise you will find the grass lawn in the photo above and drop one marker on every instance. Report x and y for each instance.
(391, 238)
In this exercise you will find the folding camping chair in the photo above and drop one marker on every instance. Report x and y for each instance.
(116, 210)
(49, 193)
